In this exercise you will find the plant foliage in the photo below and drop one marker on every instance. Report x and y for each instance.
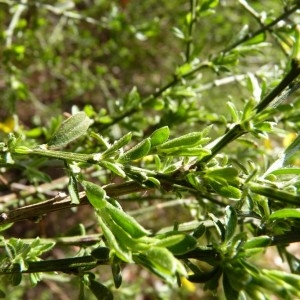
(165, 133)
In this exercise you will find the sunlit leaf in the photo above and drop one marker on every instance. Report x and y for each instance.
(159, 136)
(125, 221)
(285, 213)
(95, 194)
(71, 129)
(138, 151)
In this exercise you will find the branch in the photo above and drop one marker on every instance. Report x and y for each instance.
(62, 202)
(67, 265)
(266, 27)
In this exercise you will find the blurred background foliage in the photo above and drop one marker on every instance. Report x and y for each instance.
(60, 53)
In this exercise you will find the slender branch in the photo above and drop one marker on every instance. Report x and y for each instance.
(134, 110)
(238, 129)
(62, 202)
(274, 193)
(258, 19)
(191, 25)
(14, 22)
(67, 265)
(286, 238)
(196, 69)
(262, 29)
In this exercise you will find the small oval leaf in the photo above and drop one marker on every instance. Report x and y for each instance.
(138, 151)
(100, 291)
(95, 194)
(162, 259)
(101, 253)
(231, 223)
(71, 129)
(124, 140)
(117, 276)
(285, 213)
(190, 139)
(114, 167)
(258, 242)
(118, 248)
(73, 190)
(125, 221)
(227, 191)
(159, 136)
(177, 243)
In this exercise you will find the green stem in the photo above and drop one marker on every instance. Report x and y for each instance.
(274, 193)
(286, 238)
(67, 265)
(79, 157)
(191, 26)
(262, 29)
(62, 202)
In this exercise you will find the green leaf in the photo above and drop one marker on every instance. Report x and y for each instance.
(71, 129)
(257, 39)
(15, 279)
(234, 112)
(133, 99)
(101, 253)
(145, 261)
(265, 126)
(159, 136)
(203, 277)
(258, 242)
(95, 194)
(162, 259)
(120, 250)
(291, 279)
(230, 292)
(73, 190)
(199, 152)
(124, 140)
(22, 150)
(227, 191)
(225, 173)
(138, 151)
(199, 231)
(285, 213)
(183, 69)
(286, 171)
(177, 243)
(114, 167)
(187, 140)
(116, 272)
(208, 4)
(256, 91)
(100, 291)
(125, 221)
(152, 182)
(178, 33)
(231, 223)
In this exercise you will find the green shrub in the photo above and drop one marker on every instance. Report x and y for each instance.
(158, 136)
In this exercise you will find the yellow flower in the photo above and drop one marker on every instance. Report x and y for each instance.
(189, 286)
(8, 125)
